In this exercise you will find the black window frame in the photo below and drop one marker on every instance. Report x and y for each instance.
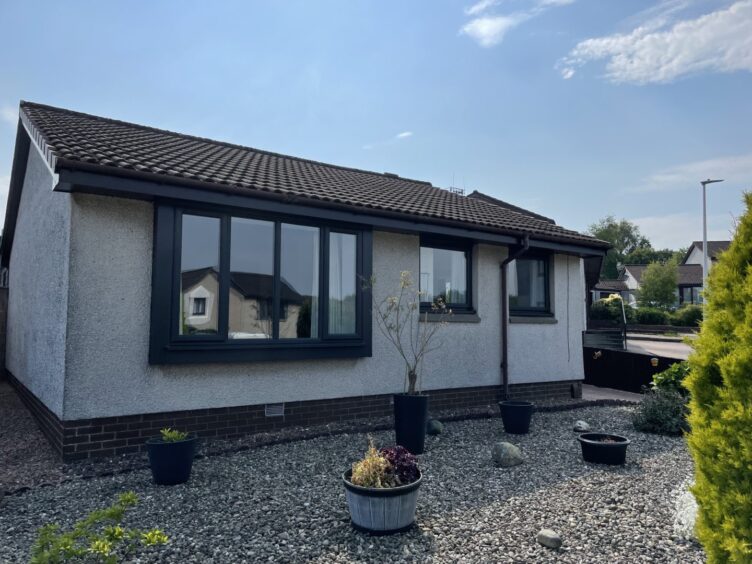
(167, 346)
(546, 310)
(451, 245)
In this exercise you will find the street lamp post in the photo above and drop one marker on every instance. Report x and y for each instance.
(705, 230)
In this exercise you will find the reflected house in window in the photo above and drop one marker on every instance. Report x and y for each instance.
(241, 282)
(250, 304)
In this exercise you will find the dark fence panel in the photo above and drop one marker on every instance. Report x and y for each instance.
(606, 338)
(621, 370)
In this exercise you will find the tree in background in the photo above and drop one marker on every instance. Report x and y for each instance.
(720, 383)
(658, 285)
(646, 255)
(625, 237)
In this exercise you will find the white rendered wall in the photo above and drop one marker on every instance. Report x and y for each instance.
(38, 286)
(108, 334)
(540, 352)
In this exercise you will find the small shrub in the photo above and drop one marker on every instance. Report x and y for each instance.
(652, 316)
(672, 379)
(404, 467)
(663, 412)
(99, 537)
(609, 309)
(172, 435)
(687, 316)
(372, 471)
(385, 468)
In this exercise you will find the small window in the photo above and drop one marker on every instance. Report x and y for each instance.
(528, 286)
(445, 274)
(199, 306)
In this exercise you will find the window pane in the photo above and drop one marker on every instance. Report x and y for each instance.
(199, 275)
(251, 279)
(342, 280)
(527, 284)
(299, 283)
(443, 273)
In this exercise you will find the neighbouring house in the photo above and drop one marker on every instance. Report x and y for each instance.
(158, 279)
(689, 276)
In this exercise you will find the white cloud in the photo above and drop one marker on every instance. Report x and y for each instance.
(489, 29)
(661, 49)
(480, 7)
(674, 231)
(395, 139)
(9, 114)
(733, 169)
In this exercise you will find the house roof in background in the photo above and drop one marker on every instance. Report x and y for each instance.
(611, 286)
(249, 284)
(507, 205)
(77, 141)
(687, 274)
(714, 248)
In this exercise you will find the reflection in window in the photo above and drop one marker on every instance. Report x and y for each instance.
(199, 306)
(251, 279)
(528, 285)
(342, 280)
(199, 280)
(443, 274)
(299, 281)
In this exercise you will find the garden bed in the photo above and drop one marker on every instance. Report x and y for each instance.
(286, 502)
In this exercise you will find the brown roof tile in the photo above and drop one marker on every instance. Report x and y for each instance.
(126, 149)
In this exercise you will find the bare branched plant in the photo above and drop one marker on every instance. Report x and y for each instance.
(398, 319)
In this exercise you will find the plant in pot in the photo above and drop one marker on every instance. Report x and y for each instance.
(400, 320)
(171, 456)
(603, 448)
(382, 490)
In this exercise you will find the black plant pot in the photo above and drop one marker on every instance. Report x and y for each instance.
(410, 417)
(516, 416)
(602, 448)
(171, 462)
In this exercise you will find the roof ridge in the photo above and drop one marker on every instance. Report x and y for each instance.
(218, 142)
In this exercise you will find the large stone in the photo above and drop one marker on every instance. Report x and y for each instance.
(581, 426)
(506, 454)
(434, 427)
(549, 538)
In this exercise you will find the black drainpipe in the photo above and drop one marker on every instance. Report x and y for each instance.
(504, 314)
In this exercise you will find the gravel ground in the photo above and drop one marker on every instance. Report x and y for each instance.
(27, 459)
(286, 503)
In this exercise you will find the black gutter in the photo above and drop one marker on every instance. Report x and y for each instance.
(505, 314)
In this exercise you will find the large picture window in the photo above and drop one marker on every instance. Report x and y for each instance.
(445, 274)
(231, 287)
(528, 286)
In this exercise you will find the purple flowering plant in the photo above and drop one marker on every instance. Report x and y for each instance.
(402, 464)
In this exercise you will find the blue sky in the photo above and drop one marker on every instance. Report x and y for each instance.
(573, 108)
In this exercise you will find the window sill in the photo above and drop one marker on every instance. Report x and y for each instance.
(190, 353)
(452, 318)
(533, 319)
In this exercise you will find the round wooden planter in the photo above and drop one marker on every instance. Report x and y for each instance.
(382, 511)
(599, 452)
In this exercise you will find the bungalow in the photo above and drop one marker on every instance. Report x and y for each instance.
(158, 279)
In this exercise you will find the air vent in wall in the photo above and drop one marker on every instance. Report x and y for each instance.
(274, 410)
